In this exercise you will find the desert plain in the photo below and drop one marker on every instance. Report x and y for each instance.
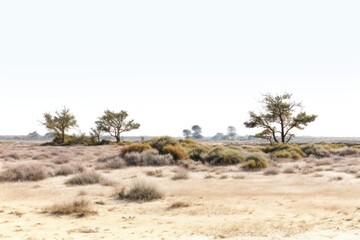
(309, 198)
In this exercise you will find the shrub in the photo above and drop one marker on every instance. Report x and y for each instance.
(224, 156)
(84, 179)
(79, 208)
(285, 151)
(135, 147)
(156, 173)
(317, 151)
(160, 143)
(271, 171)
(197, 152)
(25, 172)
(289, 170)
(141, 192)
(177, 152)
(179, 205)
(147, 158)
(255, 162)
(345, 151)
(64, 170)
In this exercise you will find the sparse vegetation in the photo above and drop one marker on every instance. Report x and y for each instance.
(25, 172)
(135, 147)
(147, 158)
(180, 174)
(85, 178)
(78, 208)
(141, 192)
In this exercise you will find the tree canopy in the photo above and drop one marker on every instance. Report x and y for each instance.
(115, 123)
(60, 123)
(280, 116)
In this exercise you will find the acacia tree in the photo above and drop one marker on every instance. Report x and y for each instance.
(115, 123)
(60, 123)
(231, 132)
(96, 133)
(196, 132)
(187, 133)
(280, 116)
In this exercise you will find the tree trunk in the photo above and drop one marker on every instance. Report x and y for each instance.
(117, 139)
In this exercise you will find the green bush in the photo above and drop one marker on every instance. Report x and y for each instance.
(285, 151)
(160, 143)
(224, 156)
(177, 151)
(135, 147)
(318, 151)
(255, 162)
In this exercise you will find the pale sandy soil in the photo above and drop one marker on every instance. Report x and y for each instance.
(308, 204)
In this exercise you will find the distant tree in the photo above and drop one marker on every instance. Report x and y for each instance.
(218, 137)
(60, 123)
(187, 133)
(33, 135)
(96, 133)
(115, 123)
(279, 118)
(231, 134)
(196, 132)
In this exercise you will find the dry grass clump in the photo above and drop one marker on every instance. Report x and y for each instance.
(25, 172)
(61, 159)
(336, 178)
(85, 178)
(140, 192)
(148, 158)
(346, 151)
(318, 151)
(11, 156)
(135, 147)
(179, 204)
(271, 171)
(289, 170)
(41, 156)
(180, 174)
(322, 162)
(78, 208)
(155, 173)
(68, 169)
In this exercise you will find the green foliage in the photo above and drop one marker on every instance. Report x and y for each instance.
(195, 150)
(318, 151)
(59, 124)
(115, 123)
(278, 118)
(161, 142)
(135, 147)
(285, 151)
(255, 162)
(220, 155)
(177, 151)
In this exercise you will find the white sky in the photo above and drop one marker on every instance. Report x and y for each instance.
(173, 64)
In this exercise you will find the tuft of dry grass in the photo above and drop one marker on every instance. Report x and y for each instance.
(78, 208)
(179, 204)
(271, 171)
(154, 173)
(140, 192)
(25, 172)
(85, 178)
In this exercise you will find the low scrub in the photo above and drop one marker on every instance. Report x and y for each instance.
(135, 147)
(177, 152)
(148, 158)
(25, 172)
(85, 178)
(318, 151)
(141, 192)
(78, 208)
(224, 156)
(255, 162)
(271, 171)
(285, 151)
(161, 142)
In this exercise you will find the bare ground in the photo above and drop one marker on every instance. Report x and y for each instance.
(319, 200)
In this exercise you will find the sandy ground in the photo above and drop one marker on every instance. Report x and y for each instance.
(319, 204)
